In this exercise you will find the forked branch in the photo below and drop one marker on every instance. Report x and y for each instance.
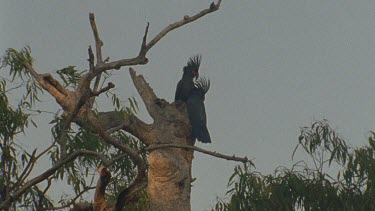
(187, 19)
(141, 58)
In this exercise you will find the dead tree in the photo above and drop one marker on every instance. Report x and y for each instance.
(168, 182)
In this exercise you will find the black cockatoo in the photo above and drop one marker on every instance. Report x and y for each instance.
(186, 84)
(197, 112)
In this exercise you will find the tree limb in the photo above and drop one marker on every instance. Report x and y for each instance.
(98, 42)
(114, 120)
(63, 96)
(141, 58)
(145, 91)
(31, 70)
(91, 61)
(214, 154)
(213, 7)
(108, 87)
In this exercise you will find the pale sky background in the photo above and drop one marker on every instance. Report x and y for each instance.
(275, 66)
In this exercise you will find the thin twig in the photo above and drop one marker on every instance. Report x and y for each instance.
(45, 151)
(114, 129)
(143, 50)
(108, 87)
(49, 182)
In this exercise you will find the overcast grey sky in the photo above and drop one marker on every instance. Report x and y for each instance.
(274, 66)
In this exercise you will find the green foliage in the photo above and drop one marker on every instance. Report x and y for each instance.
(70, 76)
(12, 120)
(83, 169)
(14, 61)
(36, 199)
(310, 188)
(16, 163)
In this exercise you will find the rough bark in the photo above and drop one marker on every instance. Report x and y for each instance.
(169, 179)
(99, 200)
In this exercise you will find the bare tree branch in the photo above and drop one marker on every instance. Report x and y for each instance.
(63, 96)
(213, 7)
(45, 151)
(98, 42)
(108, 87)
(143, 50)
(215, 154)
(68, 100)
(145, 91)
(91, 63)
(141, 58)
(114, 120)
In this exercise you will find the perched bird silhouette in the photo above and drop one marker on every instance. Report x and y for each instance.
(197, 111)
(186, 84)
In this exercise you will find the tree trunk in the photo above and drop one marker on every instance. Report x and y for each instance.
(169, 173)
(169, 180)
(169, 169)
